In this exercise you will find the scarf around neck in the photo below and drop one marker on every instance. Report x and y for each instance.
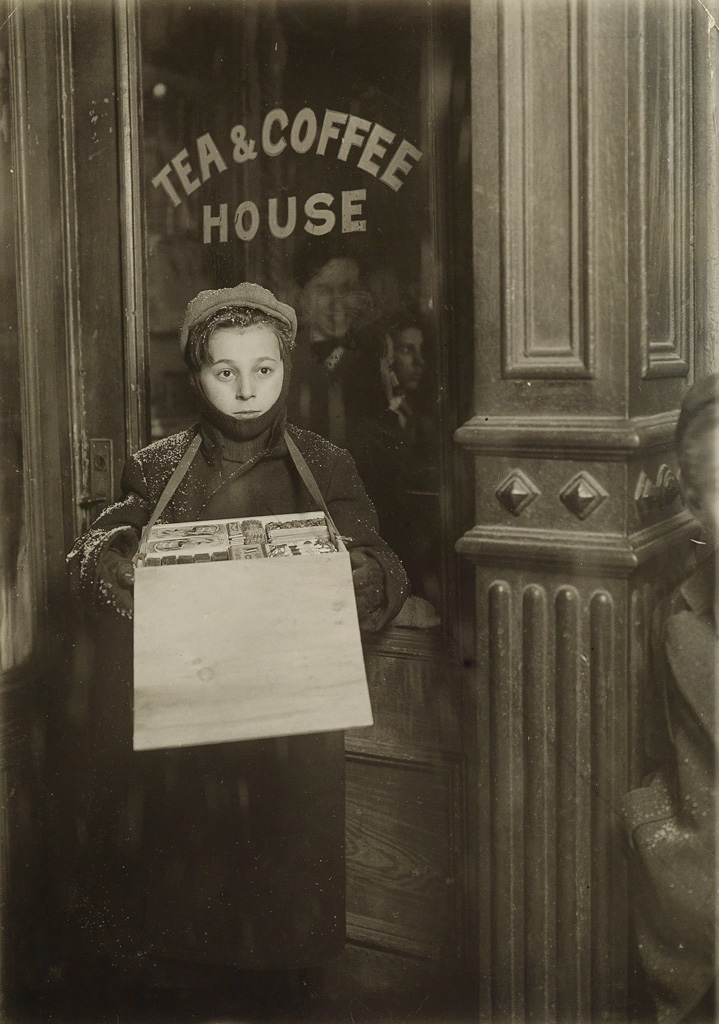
(239, 439)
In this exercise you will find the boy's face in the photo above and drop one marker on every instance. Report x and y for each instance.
(702, 488)
(408, 362)
(244, 376)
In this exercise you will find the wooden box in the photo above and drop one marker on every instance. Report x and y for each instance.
(246, 647)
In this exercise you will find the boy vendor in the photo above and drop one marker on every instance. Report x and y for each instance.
(671, 822)
(242, 860)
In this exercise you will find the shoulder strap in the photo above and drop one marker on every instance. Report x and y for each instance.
(170, 487)
(309, 481)
(184, 464)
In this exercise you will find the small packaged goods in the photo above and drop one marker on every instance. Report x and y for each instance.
(305, 533)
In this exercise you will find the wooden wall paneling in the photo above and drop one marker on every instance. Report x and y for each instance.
(664, 140)
(132, 226)
(29, 912)
(705, 67)
(72, 344)
(28, 908)
(542, 210)
(540, 738)
(405, 809)
(608, 771)
(39, 287)
(417, 706)
(659, 182)
(574, 803)
(560, 759)
(578, 521)
(70, 369)
(595, 174)
(402, 856)
(505, 711)
(97, 283)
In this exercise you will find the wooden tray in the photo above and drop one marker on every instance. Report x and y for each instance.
(242, 650)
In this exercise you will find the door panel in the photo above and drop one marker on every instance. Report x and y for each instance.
(98, 312)
(402, 858)
(33, 479)
(208, 143)
(406, 863)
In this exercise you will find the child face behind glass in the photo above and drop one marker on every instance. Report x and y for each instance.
(243, 377)
(408, 362)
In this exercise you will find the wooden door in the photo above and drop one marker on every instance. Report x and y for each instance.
(63, 439)
(191, 140)
(44, 474)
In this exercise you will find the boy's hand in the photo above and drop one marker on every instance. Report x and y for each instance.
(116, 576)
(368, 582)
(125, 573)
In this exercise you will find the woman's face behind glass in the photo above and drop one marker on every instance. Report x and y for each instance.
(333, 299)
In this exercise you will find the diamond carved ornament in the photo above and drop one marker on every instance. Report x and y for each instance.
(583, 494)
(516, 492)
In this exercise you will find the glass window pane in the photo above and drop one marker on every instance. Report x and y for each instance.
(288, 144)
(16, 617)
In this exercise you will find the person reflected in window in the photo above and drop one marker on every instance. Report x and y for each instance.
(333, 301)
(393, 434)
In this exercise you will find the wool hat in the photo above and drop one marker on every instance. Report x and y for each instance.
(246, 295)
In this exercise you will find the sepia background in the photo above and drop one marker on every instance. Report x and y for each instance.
(503, 346)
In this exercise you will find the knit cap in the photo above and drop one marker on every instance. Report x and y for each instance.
(248, 295)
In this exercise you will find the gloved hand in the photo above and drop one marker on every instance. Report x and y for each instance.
(115, 580)
(369, 586)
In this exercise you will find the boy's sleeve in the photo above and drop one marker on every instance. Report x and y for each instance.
(356, 520)
(99, 558)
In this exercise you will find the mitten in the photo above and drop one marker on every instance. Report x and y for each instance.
(369, 587)
(116, 576)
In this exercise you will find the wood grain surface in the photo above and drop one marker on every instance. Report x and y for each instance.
(246, 650)
(401, 857)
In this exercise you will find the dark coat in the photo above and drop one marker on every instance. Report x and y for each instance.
(228, 853)
(326, 380)
(671, 821)
(399, 469)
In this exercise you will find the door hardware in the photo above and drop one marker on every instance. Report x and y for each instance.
(101, 475)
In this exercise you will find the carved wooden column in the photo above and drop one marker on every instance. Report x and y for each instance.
(582, 156)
